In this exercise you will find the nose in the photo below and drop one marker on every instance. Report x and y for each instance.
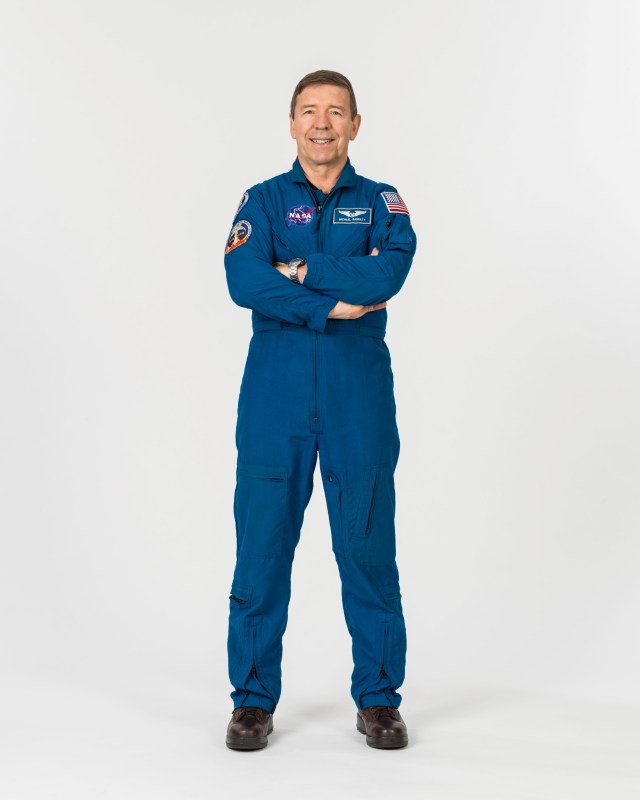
(322, 120)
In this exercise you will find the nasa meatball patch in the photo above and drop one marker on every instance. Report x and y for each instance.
(300, 215)
(240, 233)
(351, 216)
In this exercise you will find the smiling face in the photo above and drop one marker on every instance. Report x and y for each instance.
(322, 126)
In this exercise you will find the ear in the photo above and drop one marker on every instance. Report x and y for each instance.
(291, 124)
(355, 127)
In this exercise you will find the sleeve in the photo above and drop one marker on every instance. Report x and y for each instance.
(254, 283)
(366, 280)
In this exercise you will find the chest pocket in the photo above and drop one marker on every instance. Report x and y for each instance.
(282, 249)
(293, 242)
(340, 241)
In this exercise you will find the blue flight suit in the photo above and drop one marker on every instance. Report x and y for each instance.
(313, 385)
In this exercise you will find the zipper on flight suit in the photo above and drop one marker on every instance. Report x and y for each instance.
(283, 243)
(315, 377)
(316, 202)
(319, 206)
(254, 669)
(383, 672)
(373, 497)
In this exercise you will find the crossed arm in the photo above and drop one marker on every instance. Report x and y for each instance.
(331, 287)
(342, 310)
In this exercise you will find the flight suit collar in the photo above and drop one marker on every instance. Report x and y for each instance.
(347, 176)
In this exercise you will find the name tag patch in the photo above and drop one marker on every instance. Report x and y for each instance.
(349, 216)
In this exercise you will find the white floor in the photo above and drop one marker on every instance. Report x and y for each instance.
(167, 741)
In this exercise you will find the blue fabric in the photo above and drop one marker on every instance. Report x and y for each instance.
(313, 386)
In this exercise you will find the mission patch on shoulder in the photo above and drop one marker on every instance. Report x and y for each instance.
(240, 232)
(242, 203)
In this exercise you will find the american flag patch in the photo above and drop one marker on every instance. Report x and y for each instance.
(395, 203)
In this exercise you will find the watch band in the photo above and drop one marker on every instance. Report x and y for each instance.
(293, 268)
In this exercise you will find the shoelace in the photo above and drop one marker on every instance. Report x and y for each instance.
(387, 711)
(247, 711)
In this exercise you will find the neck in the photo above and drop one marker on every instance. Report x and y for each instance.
(323, 176)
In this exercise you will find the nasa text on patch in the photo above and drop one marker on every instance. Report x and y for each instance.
(348, 216)
(300, 215)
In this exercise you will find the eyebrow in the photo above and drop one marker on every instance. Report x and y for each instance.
(314, 105)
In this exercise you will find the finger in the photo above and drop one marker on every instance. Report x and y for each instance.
(377, 307)
(375, 251)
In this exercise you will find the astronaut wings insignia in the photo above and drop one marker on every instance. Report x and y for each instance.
(349, 216)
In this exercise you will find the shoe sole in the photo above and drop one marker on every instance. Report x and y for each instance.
(248, 742)
(382, 742)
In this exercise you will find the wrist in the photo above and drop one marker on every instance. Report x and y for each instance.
(294, 266)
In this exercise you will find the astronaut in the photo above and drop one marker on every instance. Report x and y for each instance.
(316, 253)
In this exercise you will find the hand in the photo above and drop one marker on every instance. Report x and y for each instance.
(348, 311)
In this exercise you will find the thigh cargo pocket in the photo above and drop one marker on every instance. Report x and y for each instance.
(372, 512)
(240, 596)
(260, 508)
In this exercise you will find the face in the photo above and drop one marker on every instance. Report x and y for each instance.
(322, 125)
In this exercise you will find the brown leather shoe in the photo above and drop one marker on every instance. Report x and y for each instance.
(383, 726)
(248, 728)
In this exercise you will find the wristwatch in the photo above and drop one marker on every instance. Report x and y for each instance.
(293, 268)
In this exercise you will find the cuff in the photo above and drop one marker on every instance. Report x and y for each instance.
(310, 278)
(318, 320)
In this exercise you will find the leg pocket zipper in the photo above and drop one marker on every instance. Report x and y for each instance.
(373, 497)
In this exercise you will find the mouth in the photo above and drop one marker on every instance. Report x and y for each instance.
(322, 141)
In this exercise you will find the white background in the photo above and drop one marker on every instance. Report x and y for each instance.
(129, 131)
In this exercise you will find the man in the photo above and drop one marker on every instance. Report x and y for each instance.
(316, 253)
